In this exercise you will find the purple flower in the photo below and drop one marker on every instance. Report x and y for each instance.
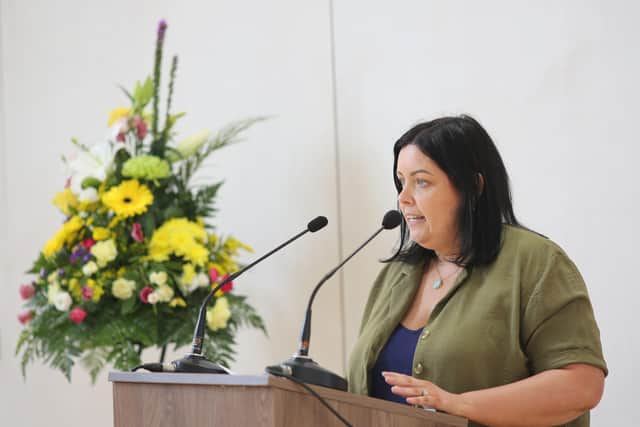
(61, 272)
(76, 254)
(43, 273)
(162, 27)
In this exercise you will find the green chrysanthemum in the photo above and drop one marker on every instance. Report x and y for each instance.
(146, 167)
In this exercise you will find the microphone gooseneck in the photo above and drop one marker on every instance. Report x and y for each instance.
(300, 365)
(195, 361)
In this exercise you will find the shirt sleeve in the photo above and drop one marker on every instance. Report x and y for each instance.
(558, 325)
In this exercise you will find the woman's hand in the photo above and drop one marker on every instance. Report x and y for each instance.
(422, 392)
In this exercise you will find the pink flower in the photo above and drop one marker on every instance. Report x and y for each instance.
(77, 315)
(27, 291)
(120, 137)
(87, 293)
(136, 232)
(25, 317)
(141, 127)
(87, 243)
(213, 274)
(227, 287)
(144, 294)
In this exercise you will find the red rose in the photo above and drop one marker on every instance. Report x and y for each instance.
(27, 290)
(77, 315)
(227, 286)
(25, 317)
(144, 294)
(87, 293)
(136, 232)
(87, 243)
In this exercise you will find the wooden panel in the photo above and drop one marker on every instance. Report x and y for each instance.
(141, 405)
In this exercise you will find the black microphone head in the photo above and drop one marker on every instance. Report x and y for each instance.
(317, 223)
(391, 220)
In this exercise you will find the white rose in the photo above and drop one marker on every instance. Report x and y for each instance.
(53, 290)
(159, 278)
(62, 301)
(165, 293)
(104, 251)
(123, 288)
(89, 268)
(152, 298)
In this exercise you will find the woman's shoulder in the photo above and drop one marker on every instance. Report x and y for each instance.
(521, 242)
(535, 256)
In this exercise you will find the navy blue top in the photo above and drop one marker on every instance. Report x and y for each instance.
(396, 356)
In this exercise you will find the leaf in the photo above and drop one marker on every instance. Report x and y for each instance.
(142, 94)
(128, 305)
(126, 92)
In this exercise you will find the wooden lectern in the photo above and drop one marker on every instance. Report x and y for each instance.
(143, 399)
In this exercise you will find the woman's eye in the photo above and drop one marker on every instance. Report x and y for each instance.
(421, 183)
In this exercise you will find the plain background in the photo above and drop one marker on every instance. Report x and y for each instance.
(554, 82)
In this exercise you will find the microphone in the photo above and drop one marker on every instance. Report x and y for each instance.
(300, 365)
(195, 361)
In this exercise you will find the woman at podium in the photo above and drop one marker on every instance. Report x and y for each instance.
(474, 314)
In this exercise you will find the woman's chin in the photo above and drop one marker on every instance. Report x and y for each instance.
(420, 239)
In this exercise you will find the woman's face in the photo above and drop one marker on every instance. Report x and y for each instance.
(429, 202)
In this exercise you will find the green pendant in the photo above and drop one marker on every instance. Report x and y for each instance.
(437, 284)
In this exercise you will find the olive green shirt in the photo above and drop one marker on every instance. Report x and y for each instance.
(526, 312)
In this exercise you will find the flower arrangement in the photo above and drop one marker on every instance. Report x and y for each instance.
(135, 257)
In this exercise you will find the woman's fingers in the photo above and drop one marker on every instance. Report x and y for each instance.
(394, 378)
(407, 391)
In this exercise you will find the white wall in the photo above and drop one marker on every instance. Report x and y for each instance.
(555, 83)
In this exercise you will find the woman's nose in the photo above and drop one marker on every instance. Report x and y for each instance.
(404, 198)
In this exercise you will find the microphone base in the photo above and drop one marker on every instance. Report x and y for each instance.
(308, 371)
(196, 363)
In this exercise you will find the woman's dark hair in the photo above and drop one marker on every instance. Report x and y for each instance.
(462, 149)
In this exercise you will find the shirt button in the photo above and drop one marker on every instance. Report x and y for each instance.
(418, 368)
(425, 334)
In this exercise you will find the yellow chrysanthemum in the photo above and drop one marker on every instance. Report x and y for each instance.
(65, 235)
(128, 199)
(74, 288)
(219, 314)
(117, 114)
(101, 233)
(65, 200)
(180, 237)
(98, 291)
(231, 246)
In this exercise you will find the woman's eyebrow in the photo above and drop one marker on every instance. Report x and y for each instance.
(420, 171)
(398, 173)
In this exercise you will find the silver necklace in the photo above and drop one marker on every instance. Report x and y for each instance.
(439, 282)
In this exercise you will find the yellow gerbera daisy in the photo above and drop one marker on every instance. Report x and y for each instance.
(128, 199)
